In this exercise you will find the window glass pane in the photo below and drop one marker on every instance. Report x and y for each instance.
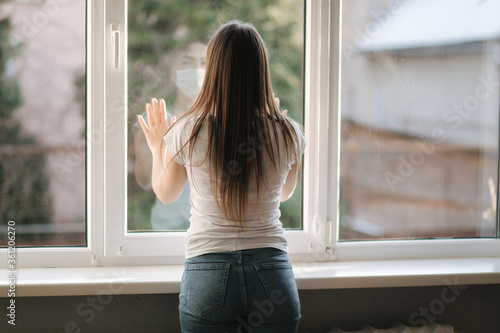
(42, 122)
(166, 50)
(419, 130)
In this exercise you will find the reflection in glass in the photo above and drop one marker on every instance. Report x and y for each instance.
(166, 59)
(186, 68)
(419, 131)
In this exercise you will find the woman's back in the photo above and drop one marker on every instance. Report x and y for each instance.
(210, 231)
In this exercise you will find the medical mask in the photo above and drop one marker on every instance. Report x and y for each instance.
(189, 81)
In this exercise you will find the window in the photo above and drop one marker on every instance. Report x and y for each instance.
(167, 43)
(43, 122)
(162, 47)
(401, 124)
(419, 131)
(419, 125)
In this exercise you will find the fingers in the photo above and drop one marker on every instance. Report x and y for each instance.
(172, 121)
(149, 113)
(156, 112)
(141, 121)
(277, 101)
(163, 111)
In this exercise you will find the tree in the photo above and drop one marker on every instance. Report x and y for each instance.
(24, 185)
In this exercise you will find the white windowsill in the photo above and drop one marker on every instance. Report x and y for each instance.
(336, 275)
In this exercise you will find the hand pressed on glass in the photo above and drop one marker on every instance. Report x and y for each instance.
(277, 101)
(167, 177)
(157, 124)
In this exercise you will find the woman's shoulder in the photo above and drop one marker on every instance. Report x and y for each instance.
(186, 123)
(185, 126)
(299, 129)
(296, 125)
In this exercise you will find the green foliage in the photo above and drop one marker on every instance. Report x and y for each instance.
(139, 207)
(291, 209)
(23, 183)
(79, 82)
(156, 28)
(159, 27)
(9, 90)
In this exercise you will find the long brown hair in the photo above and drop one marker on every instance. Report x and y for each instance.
(236, 101)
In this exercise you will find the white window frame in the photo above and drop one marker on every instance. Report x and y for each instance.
(69, 256)
(108, 244)
(393, 249)
(169, 246)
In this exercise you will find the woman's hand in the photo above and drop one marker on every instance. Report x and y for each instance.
(158, 125)
(277, 101)
(167, 178)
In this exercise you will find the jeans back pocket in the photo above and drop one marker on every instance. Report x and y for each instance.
(280, 286)
(204, 287)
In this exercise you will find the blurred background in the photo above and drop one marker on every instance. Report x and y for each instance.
(419, 130)
(42, 121)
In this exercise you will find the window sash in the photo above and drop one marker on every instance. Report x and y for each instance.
(118, 241)
(392, 249)
(82, 256)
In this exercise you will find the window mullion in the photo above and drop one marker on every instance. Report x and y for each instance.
(115, 135)
(335, 38)
(317, 100)
(95, 129)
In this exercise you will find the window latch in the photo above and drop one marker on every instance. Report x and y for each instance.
(329, 237)
(324, 237)
(115, 38)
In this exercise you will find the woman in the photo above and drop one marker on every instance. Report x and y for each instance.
(241, 157)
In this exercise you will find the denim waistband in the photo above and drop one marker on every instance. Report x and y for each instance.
(248, 254)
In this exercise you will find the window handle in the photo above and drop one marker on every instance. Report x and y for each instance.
(329, 237)
(115, 37)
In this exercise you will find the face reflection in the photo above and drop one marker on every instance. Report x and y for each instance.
(194, 57)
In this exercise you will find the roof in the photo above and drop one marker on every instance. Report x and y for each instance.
(429, 23)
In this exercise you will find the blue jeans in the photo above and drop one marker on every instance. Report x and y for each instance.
(251, 291)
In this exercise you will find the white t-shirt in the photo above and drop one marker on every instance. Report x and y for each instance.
(209, 230)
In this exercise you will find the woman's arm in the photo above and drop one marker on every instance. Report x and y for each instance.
(167, 177)
(143, 160)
